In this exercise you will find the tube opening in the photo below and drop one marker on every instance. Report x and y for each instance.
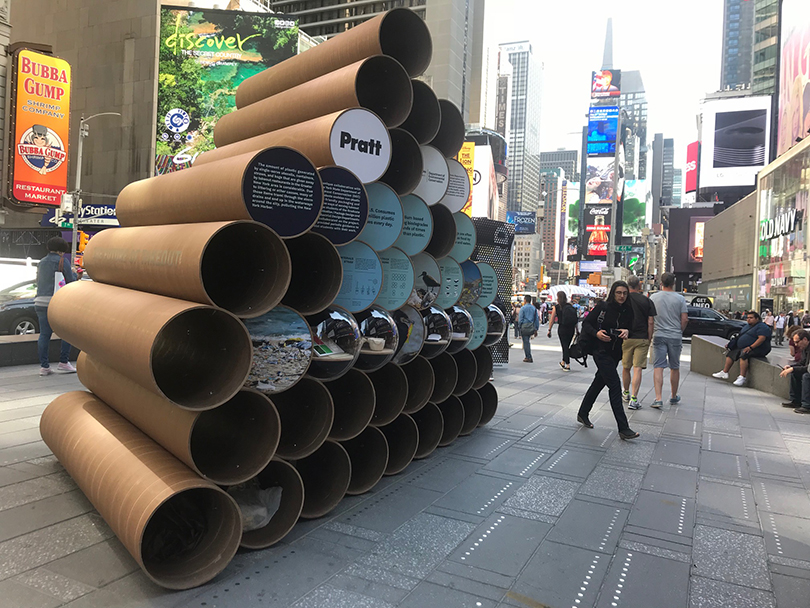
(368, 453)
(405, 37)
(317, 273)
(444, 232)
(451, 130)
(306, 412)
(426, 115)
(473, 410)
(326, 474)
(391, 387)
(445, 371)
(354, 398)
(483, 360)
(489, 399)
(421, 381)
(405, 171)
(467, 371)
(278, 473)
(430, 423)
(384, 87)
(453, 413)
(402, 436)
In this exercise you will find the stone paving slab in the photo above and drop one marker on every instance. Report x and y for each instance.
(639, 580)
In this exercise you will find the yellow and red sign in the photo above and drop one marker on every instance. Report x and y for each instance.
(466, 156)
(40, 128)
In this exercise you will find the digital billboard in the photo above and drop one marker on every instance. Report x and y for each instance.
(525, 221)
(794, 78)
(599, 181)
(603, 128)
(690, 179)
(697, 229)
(637, 200)
(735, 136)
(606, 83)
(204, 56)
(597, 227)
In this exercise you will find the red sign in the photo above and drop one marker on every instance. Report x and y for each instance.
(690, 178)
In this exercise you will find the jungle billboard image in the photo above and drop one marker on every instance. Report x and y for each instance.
(204, 56)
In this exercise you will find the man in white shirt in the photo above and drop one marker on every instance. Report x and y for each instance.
(779, 329)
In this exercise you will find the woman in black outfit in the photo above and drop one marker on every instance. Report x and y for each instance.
(604, 329)
(566, 330)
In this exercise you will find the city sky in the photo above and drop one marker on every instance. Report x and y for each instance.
(676, 46)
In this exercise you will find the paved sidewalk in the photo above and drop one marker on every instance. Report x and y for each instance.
(708, 509)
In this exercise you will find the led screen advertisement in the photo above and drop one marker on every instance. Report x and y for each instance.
(794, 79)
(524, 221)
(204, 56)
(606, 83)
(597, 228)
(690, 179)
(697, 229)
(735, 140)
(603, 127)
(636, 202)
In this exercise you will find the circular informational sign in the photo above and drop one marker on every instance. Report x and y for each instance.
(380, 338)
(435, 176)
(489, 284)
(461, 324)
(427, 281)
(336, 343)
(458, 186)
(417, 227)
(345, 206)
(701, 302)
(385, 215)
(465, 238)
(496, 325)
(437, 332)
(398, 279)
(472, 283)
(283, 190)
(177, 120)
(360, 142)
(411, 328)
(479, 332)
(452, 282)
(362, 276)
(282, 349)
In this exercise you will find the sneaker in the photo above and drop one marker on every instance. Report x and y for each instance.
(626, 396)
(657, 404)
(491, 377)
(721, 375)
(45, 371)
(792, 404)
(583, 420)
(634, 404)
(67, 368)
(740, 381)
(675, 400)
(802, 410)
(528, 360)
(628, 434)
(567, 368)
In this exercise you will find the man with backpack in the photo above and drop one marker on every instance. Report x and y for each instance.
(636, 347)
(529, 325)
(566, 315)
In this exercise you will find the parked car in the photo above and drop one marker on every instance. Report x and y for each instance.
(708, 322)
(17, 315)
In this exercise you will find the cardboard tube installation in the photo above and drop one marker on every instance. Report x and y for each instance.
(473, 409)
(227, 445)
(430, 423)
(369, 456)
(402, 436)
(154, 503)
(326, 474)
(195, 356)
(483, 360)
(317, 273)
(378, 83)
(405, 171)
(240, 266)
(451, 130)
(444, 232)
(467, 371)
(354, 398)
(453, 414)
(391, 388)
(399, 33)
(445, 371)
(426, 115)
(421, 381)
(489, 399)
(306, 413)
(278, 473)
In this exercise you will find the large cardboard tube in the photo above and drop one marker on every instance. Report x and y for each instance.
(253, 184)
(278, 473)
(195, 356)
(483, 361)
(307, 412)
(489, 399)
(398, 33)
(426, 115)
(240, 266)
(444, 231)
(473, 410)
(445, 370)
(354, 398)
(368, 453)
(453, 414)
(317, 273)
(421, 381)
(402, 436)
(326, 474)
(391, 388)
(147, 496)
(337, 329)
(451, 130)
(378, 83)
(467, 371)
(430, 423)
(405, 171)
(227, 445)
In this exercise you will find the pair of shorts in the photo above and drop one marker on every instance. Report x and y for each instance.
(667, 352)
(738, 353)
(634, 353)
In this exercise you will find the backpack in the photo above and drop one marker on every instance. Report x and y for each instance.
(579, 349)
(569, 316)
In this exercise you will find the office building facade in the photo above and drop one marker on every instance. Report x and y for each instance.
(567, 160)
(633, 101)
(738, 45)
(766, 47)
(677, 187)
(551, 195)
(667, 172)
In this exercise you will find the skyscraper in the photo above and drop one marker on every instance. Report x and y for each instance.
(634, 117)
(551, 194)
(677, 187)
(766, 46)
(567, 160)
(668, 172)
(524, 127)
(738, 44)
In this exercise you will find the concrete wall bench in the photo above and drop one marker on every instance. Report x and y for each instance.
(22, 350)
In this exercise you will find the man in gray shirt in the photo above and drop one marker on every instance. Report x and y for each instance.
(670, 321)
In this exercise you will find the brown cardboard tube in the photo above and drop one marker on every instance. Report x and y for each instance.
(338, 326)
(142, 491)
(405, 171)
(195, 356)
(445, 370)
(430, 423)
(399, 33)
(444, 231)
(176, 198)
(378, 83)
(402, 436)
(421, 381)
(473, 410)
(489, 399)
(317, 273)
(426, 114)
(391, 388)
(228, 444)
(306, 413)
(326, 474)
(467, 371)
(240, 266)
(451, 130)
(278, 473)
(483, 360)
(369, 456)
(453, 414)
(354, 397)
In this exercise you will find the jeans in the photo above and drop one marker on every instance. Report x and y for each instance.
(800, 389)
(606, 375)
(778, 335)
(527, 346)
(44, 341)
(566, 334)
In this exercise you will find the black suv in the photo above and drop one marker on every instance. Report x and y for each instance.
(708, 322)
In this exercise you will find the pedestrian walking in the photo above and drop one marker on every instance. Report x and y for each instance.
(779, 329)
(529, 323)
(566, 316)
(670, 321)
(768, 319)
(515, 314)
(604, 330)
(636, 347)
(754, 340)
(805, 323)
(53, 271)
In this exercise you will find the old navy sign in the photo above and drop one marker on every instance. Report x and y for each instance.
(782, 224)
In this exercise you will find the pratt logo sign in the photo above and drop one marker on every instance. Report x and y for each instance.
(782, 224)
(360, 143)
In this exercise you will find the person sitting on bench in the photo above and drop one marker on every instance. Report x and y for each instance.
(799, 378)
(754, 340)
